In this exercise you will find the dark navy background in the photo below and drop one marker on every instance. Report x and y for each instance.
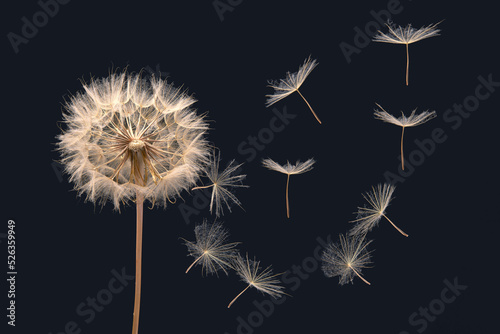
(69, 252)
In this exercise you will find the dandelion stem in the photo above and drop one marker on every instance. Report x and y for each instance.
(232, 301)
(397, 228)
(364, 280)
(286, 196)
(402, 156)
(138, 262)
(316, 116)
(192, 264)
(407, 63)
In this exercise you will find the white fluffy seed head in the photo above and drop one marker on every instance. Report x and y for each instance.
(288, 168)
(377, 201)
(291, 83)
(210, 250)
(346, 258)
(128, 136)
(223, 182)
(404, 121)
(263, 280)
(406, 35)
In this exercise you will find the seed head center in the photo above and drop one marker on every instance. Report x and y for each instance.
(136, 145)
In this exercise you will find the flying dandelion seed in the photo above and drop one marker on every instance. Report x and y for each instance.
(263, 280)
(404, 122)
(289, 169)
(291, 84)
(221, 183)
(406, 35)
(210, 249)
(129, 138)
(368, 217)
(346, 258)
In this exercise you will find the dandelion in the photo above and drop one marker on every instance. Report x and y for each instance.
(404, 122)
(346, 258)
(291, 84)
(263, 280)
(289, 169)
(221, 183)
(406, 35)
(129, 138)
(378, 200)
(210, 249)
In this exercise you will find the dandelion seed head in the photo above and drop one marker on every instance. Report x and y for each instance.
(128, 136)
(368, 216)
(211, 249)
(222, 183)
(346, 257)
(263, 280)
(406, 35)
(288, 168)
(404, 121)
(291, 83)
